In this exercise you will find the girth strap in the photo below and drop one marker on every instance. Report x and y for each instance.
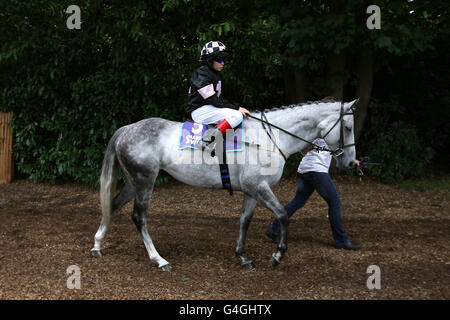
(224, 172)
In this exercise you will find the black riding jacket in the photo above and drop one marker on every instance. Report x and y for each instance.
(205, 88)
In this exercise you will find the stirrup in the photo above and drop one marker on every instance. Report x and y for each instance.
(203, 143)
(209, 147)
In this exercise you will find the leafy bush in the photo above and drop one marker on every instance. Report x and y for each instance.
(70, 90)
(395, 144)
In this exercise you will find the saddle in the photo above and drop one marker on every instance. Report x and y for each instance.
(192, 132)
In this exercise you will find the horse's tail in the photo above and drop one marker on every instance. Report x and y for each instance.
(108, 178)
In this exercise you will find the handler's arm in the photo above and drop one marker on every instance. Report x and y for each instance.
(307, 149)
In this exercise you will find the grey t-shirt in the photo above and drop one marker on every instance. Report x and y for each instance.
(317, 161)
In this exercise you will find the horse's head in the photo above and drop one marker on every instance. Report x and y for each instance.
(337, 129)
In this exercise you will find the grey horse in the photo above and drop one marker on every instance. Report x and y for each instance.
(144, 148)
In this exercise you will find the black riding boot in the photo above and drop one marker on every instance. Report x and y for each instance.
(208, 141)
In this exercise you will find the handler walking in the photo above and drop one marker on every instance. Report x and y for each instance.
(314, 176)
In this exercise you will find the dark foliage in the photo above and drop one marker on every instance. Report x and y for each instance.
(71, 89)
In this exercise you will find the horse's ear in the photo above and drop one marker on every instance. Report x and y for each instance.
(352, 104)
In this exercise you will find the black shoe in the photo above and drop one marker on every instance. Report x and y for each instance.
(273, 236)
(349, 245)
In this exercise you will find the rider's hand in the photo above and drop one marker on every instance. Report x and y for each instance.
(357, 163)
(244, 111)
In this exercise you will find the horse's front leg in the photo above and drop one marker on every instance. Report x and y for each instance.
(265, 196)
(246, 217)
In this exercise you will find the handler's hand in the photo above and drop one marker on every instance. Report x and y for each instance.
(357, 163)
(307, 149)
(244, 111)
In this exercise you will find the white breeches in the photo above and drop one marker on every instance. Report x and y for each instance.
(209, 114)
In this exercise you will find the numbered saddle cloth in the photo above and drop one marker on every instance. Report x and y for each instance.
(192, 132)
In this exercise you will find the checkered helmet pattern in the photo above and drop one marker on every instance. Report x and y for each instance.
(213, 48)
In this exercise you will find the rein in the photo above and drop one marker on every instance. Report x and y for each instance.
(338, 152)
(271, 134)
(285, 131)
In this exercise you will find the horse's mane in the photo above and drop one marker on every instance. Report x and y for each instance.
(295, 105)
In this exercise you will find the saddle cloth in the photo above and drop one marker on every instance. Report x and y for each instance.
(192, 132)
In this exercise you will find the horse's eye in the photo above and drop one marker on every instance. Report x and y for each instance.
(348, 128)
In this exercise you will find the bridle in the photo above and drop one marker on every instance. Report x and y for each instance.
(339, 151)
(336, 153)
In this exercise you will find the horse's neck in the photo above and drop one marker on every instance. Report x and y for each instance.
(303, 123)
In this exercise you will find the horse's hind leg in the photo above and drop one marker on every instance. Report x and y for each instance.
(139, 216)
(126, 195)
(247, 213)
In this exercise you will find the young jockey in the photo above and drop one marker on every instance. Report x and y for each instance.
(313, 170)
(206, 104)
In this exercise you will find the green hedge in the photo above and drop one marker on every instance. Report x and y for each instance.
(395, 144)
(71, 89)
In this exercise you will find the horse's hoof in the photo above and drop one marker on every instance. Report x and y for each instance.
(166, 267)
(248, 266)
(96, 253)
(275, 262)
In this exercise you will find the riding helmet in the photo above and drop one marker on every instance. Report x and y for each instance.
(212, 50)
